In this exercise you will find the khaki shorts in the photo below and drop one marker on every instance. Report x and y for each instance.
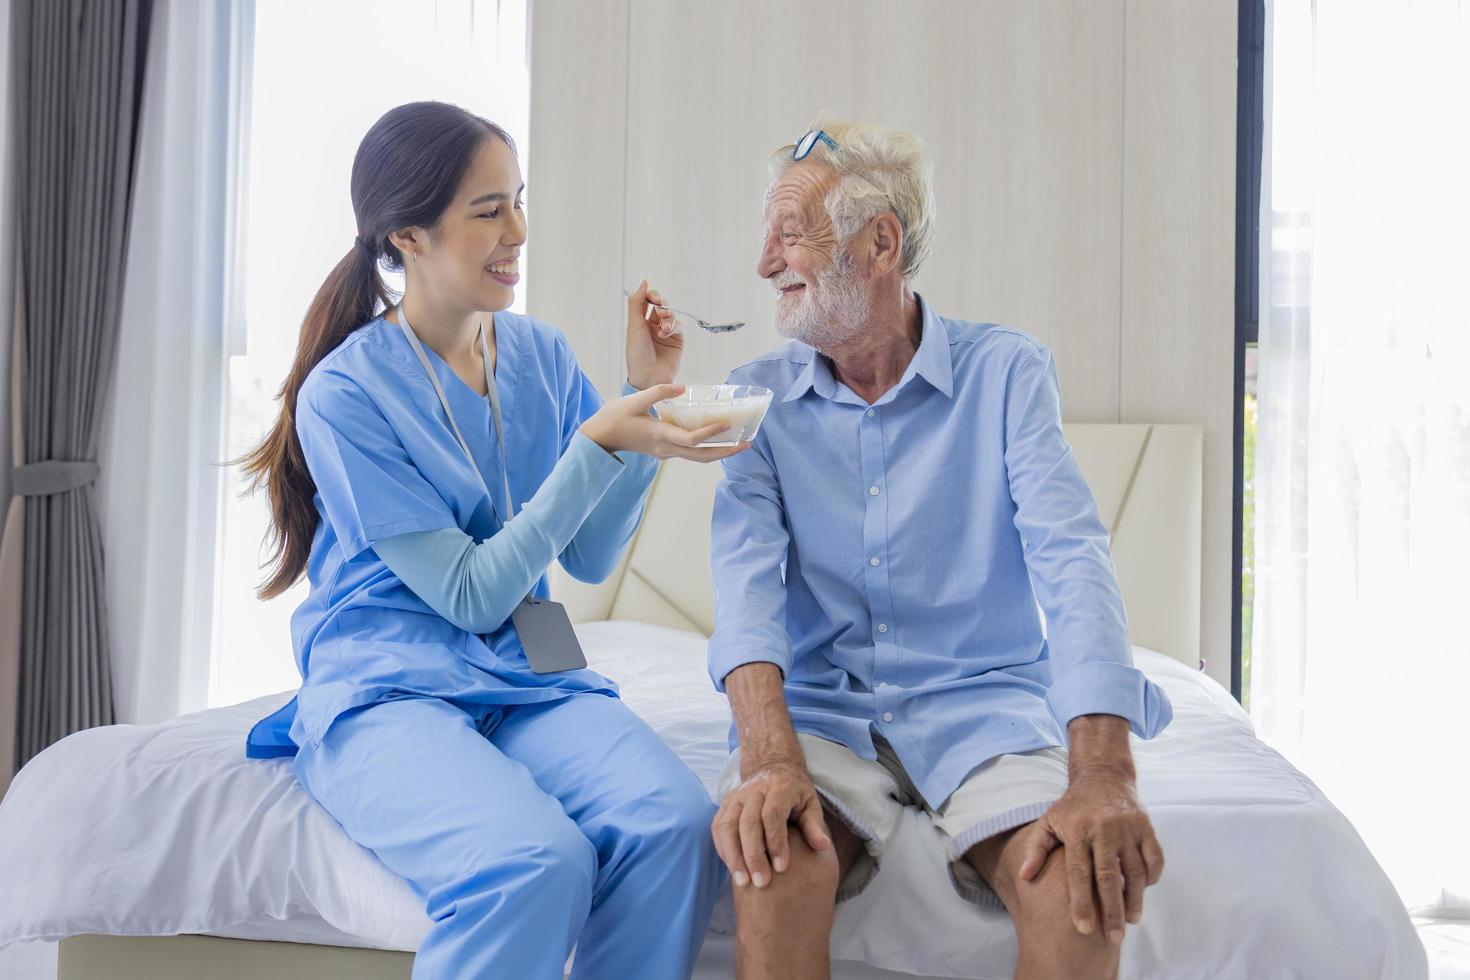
(1007, 792)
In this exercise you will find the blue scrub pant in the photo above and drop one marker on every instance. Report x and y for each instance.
(526, 830)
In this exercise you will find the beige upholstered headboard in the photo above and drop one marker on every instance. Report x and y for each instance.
(1147, 479)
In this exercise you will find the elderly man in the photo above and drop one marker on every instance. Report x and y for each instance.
(879, 559)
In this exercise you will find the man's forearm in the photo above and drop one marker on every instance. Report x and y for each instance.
(1099, 747)
(758, 702)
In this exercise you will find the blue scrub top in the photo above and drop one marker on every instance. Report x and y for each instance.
(385, 462)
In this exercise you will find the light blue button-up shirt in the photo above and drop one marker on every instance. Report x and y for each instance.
(891, 558)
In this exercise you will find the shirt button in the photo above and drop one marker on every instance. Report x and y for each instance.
(872, 412)
(882, 627)
(872, 491)
(873, 561)
(887, 716)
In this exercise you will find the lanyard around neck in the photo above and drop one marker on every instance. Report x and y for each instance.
(418, 348)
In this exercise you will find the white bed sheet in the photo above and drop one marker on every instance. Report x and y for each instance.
(167, 829)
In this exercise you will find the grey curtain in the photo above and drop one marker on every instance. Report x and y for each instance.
(79, 83)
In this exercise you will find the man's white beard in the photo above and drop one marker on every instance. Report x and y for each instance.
(831, 311)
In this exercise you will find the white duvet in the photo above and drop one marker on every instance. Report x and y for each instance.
(168, 829)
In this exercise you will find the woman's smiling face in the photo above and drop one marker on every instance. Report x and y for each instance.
(474, 253)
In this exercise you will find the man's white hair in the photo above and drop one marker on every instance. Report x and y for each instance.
(879, 170)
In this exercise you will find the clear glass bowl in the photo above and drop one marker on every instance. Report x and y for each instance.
(743, 406)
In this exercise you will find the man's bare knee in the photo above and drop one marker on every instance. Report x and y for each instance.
(782, 930)
(810, 874)
(810, 880)
(1050, 944)
(1047, 933)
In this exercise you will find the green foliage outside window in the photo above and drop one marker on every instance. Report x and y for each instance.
(1248, 549)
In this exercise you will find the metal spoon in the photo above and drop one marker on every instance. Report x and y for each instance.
(703, 324)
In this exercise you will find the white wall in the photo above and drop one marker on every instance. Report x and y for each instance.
(1084, 170)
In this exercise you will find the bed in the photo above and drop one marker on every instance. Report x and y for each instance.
(161, 852)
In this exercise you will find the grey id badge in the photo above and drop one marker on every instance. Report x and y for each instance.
(546, 636)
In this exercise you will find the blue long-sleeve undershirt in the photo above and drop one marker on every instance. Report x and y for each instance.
(584, 513)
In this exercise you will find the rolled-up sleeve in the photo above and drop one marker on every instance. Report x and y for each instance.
(749, 543)
(1070, 566)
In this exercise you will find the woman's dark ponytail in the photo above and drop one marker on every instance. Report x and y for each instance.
(349, 298)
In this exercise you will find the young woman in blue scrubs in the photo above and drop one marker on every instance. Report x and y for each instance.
(528, 808)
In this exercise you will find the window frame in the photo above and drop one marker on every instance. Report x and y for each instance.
(1249, 133)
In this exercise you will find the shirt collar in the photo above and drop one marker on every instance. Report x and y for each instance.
(815, 375)
(931, 361)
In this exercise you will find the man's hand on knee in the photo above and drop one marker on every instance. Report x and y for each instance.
(1111, 850)
(750, 830)
(1109, 847)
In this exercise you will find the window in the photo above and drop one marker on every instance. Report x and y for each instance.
(1249, 116)
(323, 72)
(1362, 516)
